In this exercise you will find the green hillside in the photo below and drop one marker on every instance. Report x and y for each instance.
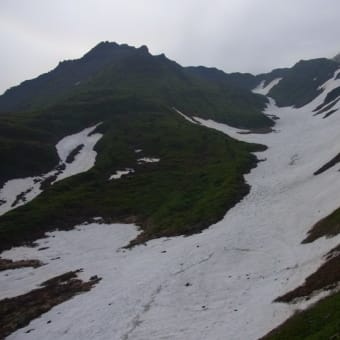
(199, 177)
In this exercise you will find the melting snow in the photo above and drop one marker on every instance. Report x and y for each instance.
(120, 173)
(184, 116)
(148, 160)
(218, 284)
(86, 158)
(28, 188)
(264, 90)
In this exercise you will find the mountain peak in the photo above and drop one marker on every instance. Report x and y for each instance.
(108, 49)
(337, 58)
(144, 49)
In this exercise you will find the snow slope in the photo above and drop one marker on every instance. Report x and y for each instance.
(30, 187)
(218, 284)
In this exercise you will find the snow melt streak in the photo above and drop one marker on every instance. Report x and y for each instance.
(264, 90)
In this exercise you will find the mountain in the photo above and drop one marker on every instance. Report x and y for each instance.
(337, 58)
(108, 161)
(114, 72)
(65, 77)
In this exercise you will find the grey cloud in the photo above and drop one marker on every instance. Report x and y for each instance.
(234, 35)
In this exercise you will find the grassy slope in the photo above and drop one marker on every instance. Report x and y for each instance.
(163, 81)
(24, 150)
(199, 177)
(229, 100)
(321, 321)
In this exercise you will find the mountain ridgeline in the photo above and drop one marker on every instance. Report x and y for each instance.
(111, 72)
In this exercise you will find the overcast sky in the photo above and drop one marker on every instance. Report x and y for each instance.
(233, 35)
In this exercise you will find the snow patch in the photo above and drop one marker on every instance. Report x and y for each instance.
(119, 173)
(264, 90)
(85, 159)
(148, 160)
